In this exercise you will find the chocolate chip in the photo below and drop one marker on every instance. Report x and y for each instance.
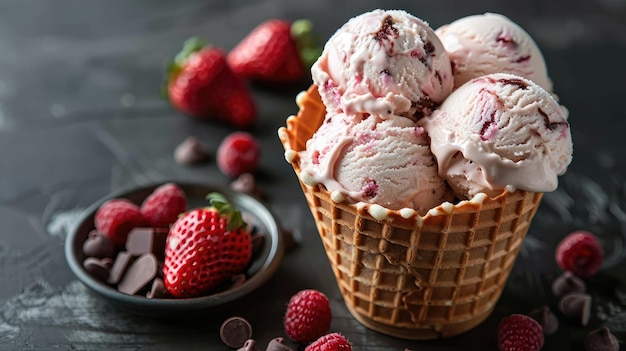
(98, 267)
(278, 344)
(567, 283)
(157, 290)
(147, 240)
(122, 260)
(191, 151)
(98, 245)
(246, 183)
(139, 274)
(249, 345)
(601, 340)
(235, 331)
(548, 321)
(576, 306)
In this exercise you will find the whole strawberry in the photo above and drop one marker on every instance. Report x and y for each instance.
(163, 206)
(308, 316)
(201, 84)
(519, 332)
(205, 247)
(238, 153)
(330, 342)
(580, 253)
(116, 218)
(276, 51)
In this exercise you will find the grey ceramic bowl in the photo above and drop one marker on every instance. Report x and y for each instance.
(262, 267)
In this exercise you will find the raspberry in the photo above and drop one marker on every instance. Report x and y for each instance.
(164, 205)
(580, 253)
(519, 332)
(330, 342)
(238, 153)
(308, 316)
(116, 218)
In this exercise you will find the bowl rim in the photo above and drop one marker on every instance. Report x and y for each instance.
(270, 263)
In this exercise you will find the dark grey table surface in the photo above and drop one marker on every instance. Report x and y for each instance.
(81, 116)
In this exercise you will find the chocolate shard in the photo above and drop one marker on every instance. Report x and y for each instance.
(121, 262)
(278, 344)
(568, 283)
(546, 318)
(98, 245)
(147, 240)
(576, 306)
(139, 274)
(157, 290)
(601, 339)
(235, 331)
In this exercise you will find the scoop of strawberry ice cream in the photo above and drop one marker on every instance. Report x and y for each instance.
(367, 158)
(492, 43)
(383, 63)
(500, 131)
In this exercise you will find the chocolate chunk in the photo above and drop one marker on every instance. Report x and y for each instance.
(249, 345)
(237, 280)
(139, 274)
(576, 306)
(601, 340)
(98, 245)
(191, 151)
(548, 321)
(246, 183)
(235, 331)
(98, 267)
(157, 290)
(257, 243)
(147, 240)
(567, 283)
(278, 344)
(122, 261)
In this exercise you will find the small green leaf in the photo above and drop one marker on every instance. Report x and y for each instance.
(308, 43)
(223, 207)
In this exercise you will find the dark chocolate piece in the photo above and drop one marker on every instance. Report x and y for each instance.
(235, 331)
(157, 290)
(98, 245)
(147, 240)
(122, 261)
(568, 283)
(278, 344)
(576, 306)
(237, 280)
(601, 340)
(257, 243)
(139, 274)
(98, 267)
(249, 345)
(246, 183)
(191, 151)
(548, 321)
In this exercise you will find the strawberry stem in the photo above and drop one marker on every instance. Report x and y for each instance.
(191, 45)
(225, 208)
(306, 40)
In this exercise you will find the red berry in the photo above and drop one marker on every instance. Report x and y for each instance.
(238, 153)
(164, 205)
(205, 247)
(580, 253)
(202, 85)
(330, 342)
(308, 316)
(116, 218)
(518, 332)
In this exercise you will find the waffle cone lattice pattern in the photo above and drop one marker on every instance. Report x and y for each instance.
(419, 277)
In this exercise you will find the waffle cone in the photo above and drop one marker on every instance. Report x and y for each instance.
(407, 275)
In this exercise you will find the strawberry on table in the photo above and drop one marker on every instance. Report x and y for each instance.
(276, 51)
(205, 247)
(202, 84)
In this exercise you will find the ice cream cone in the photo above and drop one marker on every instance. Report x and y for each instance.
(407, 275)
